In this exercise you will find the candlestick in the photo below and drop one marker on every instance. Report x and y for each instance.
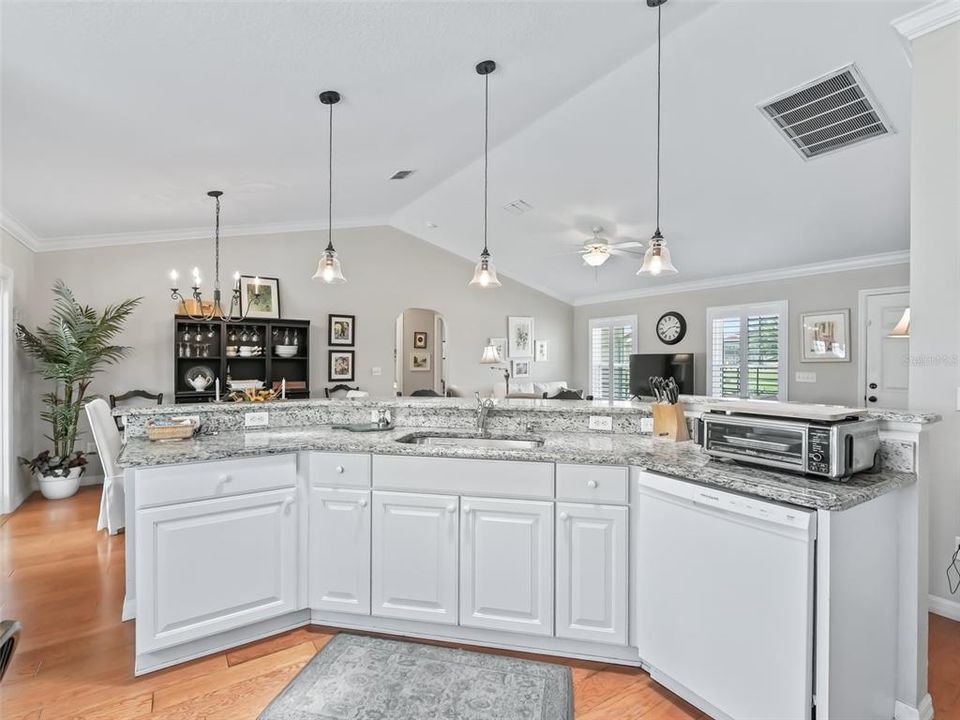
(216, 390)
(283, 388)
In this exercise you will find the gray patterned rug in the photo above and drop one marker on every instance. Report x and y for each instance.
(356, 677)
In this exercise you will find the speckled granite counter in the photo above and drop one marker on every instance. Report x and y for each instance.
(683, 460)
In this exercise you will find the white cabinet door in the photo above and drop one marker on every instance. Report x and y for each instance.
(506, 566)
(339, 565)
(592, 573)
(414, 574)
(213, 565)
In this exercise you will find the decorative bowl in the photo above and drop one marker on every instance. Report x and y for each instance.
(286, 350)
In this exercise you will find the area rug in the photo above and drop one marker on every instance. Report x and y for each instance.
(356, 677)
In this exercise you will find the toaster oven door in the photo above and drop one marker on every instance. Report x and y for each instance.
(781, 445)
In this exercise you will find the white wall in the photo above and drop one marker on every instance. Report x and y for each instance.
(935, 278)
(836, 382)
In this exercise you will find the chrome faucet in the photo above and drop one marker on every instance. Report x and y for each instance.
(484, 408)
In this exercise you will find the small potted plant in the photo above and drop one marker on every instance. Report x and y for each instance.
(69, 351)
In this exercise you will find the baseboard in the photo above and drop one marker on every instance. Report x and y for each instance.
(945, 607)
(902, 711)
(91, 480)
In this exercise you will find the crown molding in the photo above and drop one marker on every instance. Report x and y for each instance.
(19, 231)
(856, 263)
(80, 242)
(927, 19)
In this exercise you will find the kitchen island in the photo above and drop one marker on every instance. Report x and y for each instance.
(241, 534)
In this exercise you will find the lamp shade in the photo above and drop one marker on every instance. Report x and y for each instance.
(656, 260)
(491, 356)
(328, 269)
(485, 274)
(902, 328)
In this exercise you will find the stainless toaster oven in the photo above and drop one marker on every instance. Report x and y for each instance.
(827, 449)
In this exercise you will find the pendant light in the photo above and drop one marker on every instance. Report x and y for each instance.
(329, 268)
(656, 260)
(485, 275)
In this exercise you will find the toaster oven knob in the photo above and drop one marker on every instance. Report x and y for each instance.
(872, 398)
(816, 457)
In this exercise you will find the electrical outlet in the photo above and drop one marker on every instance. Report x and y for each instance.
(600, 422)
(646, 424)
(806, 377)
(376, 371)
(256, 419)
(91, 448)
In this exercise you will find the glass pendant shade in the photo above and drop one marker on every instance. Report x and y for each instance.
(902, 328)
(656, 260)
(491, 356)
(485, 274)
(596, 257)
(328, 269)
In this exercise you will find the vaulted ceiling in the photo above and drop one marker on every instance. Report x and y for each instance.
(118, 117)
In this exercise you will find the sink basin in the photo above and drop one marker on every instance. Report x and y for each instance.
(493, 443)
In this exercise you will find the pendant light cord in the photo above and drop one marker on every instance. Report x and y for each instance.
(216, 248)
(659, 16)
(330, 188)
(486, 145)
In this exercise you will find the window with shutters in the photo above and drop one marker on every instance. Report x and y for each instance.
(612, 341)
(747, 351)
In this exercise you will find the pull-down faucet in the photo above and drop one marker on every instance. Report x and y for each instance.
(484, 408)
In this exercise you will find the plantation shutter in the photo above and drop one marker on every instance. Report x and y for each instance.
(612, 341)
(747, 351)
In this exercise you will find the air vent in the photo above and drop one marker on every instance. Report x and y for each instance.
(518, 207)
(831, 113)
(401, 174)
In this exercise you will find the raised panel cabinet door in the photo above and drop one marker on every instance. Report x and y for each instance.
(592, 572)
(414, 568)
(506, 565)
(214, 565)
(339, 554)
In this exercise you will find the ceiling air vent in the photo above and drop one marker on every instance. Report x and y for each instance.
(518, 207)
(401, 174)
(828, 114)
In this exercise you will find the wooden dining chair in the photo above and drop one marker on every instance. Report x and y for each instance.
(342, 388)
(129, 395)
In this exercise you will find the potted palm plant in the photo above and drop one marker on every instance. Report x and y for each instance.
(73, 347)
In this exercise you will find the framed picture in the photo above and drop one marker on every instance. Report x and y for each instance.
(419, 361)
(501, 345)
(259, 297)
(825, 336)
(520, 337)
(540, 351)
(341, 365)
(520, 368)
(420, 340)
(341, 329)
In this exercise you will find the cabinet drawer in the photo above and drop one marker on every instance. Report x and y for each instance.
(455, 476)
(338, 469)
(183, 483)
(593, 483)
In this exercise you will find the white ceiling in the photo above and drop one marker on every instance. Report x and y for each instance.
(117, 117)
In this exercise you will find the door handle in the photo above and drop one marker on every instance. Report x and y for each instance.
(872, 398)
(873, 386)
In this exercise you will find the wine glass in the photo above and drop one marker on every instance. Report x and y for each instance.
(243, 335)
(233, 334)
(186, 334)
(199, 336)
(255, 337)
(210, 331)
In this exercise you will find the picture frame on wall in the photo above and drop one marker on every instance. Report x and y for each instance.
(541, 351)
(520, 336)
(341, 330)
(259, 297)
(419, 361)
(825, 336)
(419, 340)
(500, 343)
(340, 365)
(520, 368)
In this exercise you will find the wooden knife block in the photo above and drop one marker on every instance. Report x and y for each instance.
(669, 421)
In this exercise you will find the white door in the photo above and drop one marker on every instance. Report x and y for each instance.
(887, 358)
(340, 550)
(506, 565)
(214, 565)
(592, 573)
(414, 573)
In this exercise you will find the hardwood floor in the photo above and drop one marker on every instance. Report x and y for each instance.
(64, 582)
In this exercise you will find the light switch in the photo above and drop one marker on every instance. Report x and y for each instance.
(376, 371)
(806, 377)
(256, 419)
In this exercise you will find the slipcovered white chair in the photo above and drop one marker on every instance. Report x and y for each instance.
(107, 438)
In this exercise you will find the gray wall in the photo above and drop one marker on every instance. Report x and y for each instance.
(418, 320)
(836, 382)
(935, 279)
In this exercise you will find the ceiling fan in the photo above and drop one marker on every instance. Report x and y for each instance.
(597, 250)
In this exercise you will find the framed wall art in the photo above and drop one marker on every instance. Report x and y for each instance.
(341, 329)
(825, 336)
(259, 297)
(520, 337)
(341, 365)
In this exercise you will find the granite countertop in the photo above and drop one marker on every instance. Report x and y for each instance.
(683, 460)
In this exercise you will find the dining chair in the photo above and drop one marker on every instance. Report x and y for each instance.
(129, 395)
(107, 438)
(339, 391)
(9, 635)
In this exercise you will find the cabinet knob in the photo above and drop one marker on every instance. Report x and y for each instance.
(467, 509)
(225, 478)
(451, 508)
(362, 502)
(591, 484)
(287, 502)
(872, 398)
(340, 469)
(564, 516)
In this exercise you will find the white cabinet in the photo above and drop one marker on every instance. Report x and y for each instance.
(506, 569)
(414, 569)
(339, 550)
(213, 565)
(592, 573)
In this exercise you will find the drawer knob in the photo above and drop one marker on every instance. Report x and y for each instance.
(467, 509)
(340, 469)
(287, 502)
(362, 502)
(451, 508)
(592, 484)
(225, 478)
(564, 516)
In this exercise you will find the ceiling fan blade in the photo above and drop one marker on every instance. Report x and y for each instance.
(625, 253)
(628, 244)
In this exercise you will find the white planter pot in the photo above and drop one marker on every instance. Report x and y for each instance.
(57, 488)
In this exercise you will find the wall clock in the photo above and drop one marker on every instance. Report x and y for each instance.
(671, 327)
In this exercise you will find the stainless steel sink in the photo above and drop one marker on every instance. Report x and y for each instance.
(493, 443)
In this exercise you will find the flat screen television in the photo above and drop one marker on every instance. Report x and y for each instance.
(679, 366)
